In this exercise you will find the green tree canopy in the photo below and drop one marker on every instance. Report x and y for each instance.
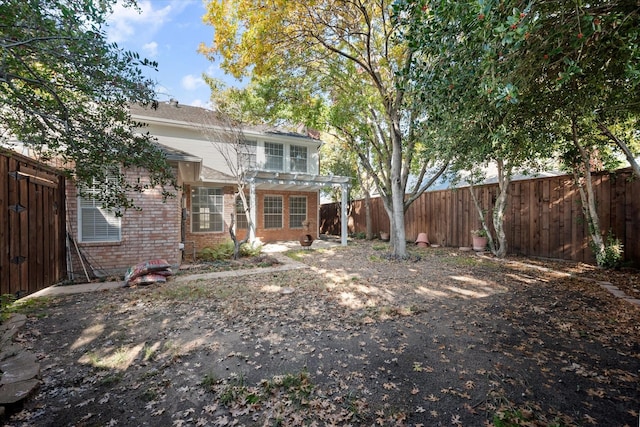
(65, 91)
(337, 51)
(517, 81)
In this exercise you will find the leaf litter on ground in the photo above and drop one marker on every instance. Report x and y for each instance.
(445, 338)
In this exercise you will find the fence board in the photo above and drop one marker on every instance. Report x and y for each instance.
(567, 218)
(4, 220)
(632, 217)
(555, 216)
(515, 229)
(543, 217)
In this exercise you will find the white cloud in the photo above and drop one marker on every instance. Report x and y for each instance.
(191, 82)
(150, 49)
(127, 23)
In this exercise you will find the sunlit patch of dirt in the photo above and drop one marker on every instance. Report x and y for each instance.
(443, 338)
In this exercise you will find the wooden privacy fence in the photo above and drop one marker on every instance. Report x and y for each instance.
(32, 225)
(544, 216)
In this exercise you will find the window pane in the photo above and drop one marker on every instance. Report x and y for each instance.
(247, 154)
(297, 211)
(241, 217)
(273, 212)
(298, 157)
(206, 210)
(97, 224)
(274, 156)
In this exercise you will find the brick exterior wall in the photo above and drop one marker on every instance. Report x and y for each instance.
(286, 233)
(155, 230)
(201, 240)
(149, 233)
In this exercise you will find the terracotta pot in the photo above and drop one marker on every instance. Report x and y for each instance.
(479, 243)
(384, 236)
(422, 240)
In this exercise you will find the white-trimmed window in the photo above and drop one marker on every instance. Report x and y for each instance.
(273, 156)
(297, 211)
(272, 211)
(247, 154)
(241, 217)
(298, 158)
(206, 210)
(95, 223)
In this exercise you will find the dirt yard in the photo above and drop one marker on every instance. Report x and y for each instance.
(445, 338)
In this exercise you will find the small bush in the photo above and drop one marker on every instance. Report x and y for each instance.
(219, 252)
(613, 253)
(247, 250)
(224, 251)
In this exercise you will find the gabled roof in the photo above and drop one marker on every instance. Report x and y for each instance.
(173, 112)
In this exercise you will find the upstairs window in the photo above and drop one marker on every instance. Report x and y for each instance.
(95, 223)
(247, 158)
(298, 157)
(274, 156)
(206, 210)
(272, 211)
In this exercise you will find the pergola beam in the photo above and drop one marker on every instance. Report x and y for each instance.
(301, 182)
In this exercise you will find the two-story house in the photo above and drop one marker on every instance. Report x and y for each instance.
(279, 170)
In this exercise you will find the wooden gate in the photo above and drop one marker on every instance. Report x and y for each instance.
(32, 225)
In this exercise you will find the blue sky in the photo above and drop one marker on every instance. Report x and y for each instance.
(169, 32)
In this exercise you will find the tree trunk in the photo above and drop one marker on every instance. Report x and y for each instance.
(367, 215)
(397, 232)
(623, 146)
(504, 181)
(482, 217)
(497, 246)
(587, 196)
(234, 238)
(232, 225)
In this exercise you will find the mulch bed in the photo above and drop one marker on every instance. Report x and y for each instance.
(214, 266)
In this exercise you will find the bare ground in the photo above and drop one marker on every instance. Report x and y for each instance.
(445, 338)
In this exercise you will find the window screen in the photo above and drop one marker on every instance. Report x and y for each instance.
(241, 217)
(273, 212)
(274, 156)
(206, 209)
(247, 154)
(298, 157)
(97, 224)
(297, 211)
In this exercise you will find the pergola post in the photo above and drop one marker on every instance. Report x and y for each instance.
(252, 210)
(343, 213)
